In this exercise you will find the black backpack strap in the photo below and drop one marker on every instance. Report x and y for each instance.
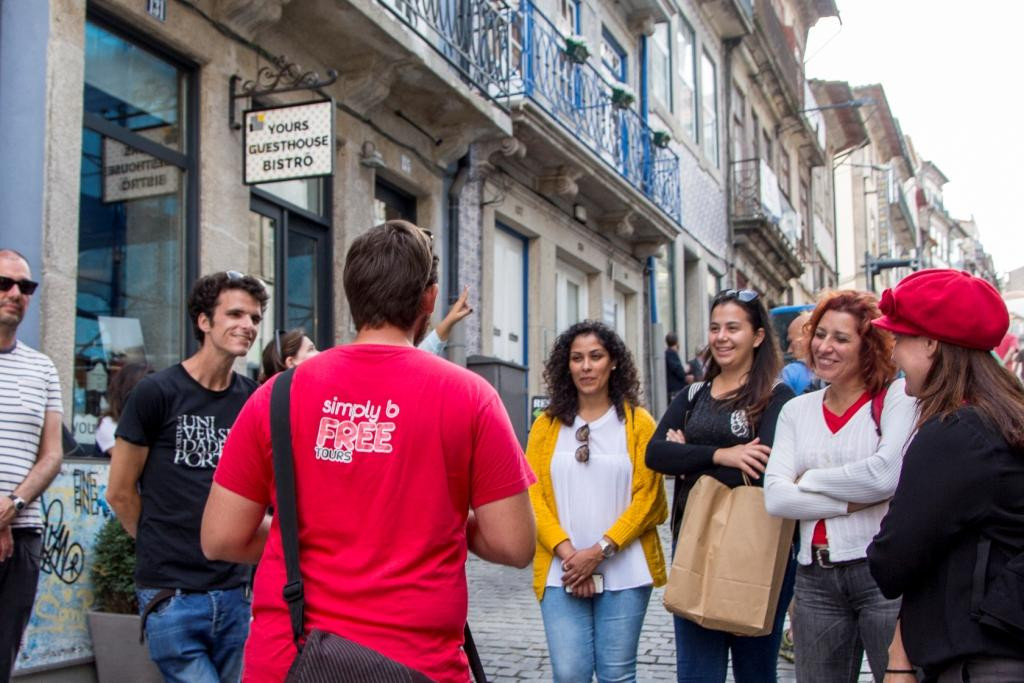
(475, 665)
(877, 406)
(286, 511)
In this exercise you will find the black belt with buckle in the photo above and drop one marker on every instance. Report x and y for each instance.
(820, 555)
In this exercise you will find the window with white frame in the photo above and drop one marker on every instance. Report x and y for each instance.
(661, 64)
(687, 70)
(620, 314)
(569, 16)
(784, 171)
(570, 295)
(709, 107)
(508, 302)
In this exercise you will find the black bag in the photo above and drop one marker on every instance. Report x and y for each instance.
(325, 657)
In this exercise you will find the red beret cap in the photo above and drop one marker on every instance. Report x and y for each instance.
(951, 306)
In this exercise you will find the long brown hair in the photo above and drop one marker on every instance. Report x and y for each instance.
(960, 375)
(754, 395)
(876, 365)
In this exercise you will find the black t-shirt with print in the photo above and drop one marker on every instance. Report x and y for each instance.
(184, 425)
(709, 425)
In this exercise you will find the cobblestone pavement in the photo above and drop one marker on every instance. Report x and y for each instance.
(509, 633)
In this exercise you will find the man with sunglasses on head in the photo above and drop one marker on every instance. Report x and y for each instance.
(30, 455)
(168, 443)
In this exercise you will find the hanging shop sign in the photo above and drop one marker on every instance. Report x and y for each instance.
(129, 173)
(289, 142)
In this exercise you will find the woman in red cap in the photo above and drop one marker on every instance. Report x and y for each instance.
(834, 466)
(952, 544)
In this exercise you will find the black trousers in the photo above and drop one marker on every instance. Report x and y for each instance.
(19, 576)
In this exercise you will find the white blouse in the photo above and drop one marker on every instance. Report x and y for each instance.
(590, 498)
(853, 465)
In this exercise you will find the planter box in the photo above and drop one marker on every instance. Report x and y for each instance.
(120, 657)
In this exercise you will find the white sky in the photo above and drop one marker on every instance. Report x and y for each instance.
(952, 72)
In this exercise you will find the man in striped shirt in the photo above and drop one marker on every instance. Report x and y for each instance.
(30, 455)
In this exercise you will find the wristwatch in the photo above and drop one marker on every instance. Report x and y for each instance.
(607, 549)
(19, 503)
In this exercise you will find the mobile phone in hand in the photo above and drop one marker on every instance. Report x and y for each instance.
(598, 584)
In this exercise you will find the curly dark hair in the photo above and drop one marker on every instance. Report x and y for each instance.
(623, 384)
(207, 289)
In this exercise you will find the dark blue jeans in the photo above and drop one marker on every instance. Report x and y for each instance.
(198, 637)
(702, 655)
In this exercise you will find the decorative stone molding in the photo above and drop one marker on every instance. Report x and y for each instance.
(367, 81)
(619, 223)
(560, 181)
(370, 156)
(643, 250)
(642, 24)
(506, 147)
(249, 17)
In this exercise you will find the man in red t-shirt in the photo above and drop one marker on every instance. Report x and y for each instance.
(403, 461)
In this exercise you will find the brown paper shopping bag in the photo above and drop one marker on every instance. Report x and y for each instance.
(730, 560)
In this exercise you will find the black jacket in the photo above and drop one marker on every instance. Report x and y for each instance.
(674, 372)
(960, 498)
(696, 457)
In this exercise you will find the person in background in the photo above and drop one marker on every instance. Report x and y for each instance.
(168, 443)
(1007, 352)
(598, 507)
(675, 375)
(796, 374)
(286, 350)
(121, 384)
(952, 543)
(437, 340)
(833, 469)
(724, 427)
(30, 455)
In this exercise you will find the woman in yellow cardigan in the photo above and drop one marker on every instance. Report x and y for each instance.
(597, 506)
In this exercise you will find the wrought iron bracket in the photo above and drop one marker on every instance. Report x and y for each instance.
(279, 77)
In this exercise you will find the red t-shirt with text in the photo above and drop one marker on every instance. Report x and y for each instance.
(392, 447)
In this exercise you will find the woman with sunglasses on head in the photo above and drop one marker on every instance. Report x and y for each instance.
(834, 465)
(286, 350)
(952, 543)
(597, 507)
(724, 427)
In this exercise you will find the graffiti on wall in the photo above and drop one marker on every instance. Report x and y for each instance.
(74, 510)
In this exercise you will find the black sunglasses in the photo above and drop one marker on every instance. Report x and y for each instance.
(583, 436)
(26, 286)
(744, 295)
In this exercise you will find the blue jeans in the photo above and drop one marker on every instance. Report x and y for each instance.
(599, 634)
(702, 655)
(838, 614)
(198, 637)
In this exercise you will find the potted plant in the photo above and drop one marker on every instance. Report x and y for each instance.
(114, 623)
(576, 49)
(661, 138)
(623, 96)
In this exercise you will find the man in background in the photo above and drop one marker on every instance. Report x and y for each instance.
(30, 455)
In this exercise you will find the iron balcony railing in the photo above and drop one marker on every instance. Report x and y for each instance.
(474, 36)
(756, 196)
(579, 98)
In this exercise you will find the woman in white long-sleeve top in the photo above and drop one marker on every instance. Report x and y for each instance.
(835, 464)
